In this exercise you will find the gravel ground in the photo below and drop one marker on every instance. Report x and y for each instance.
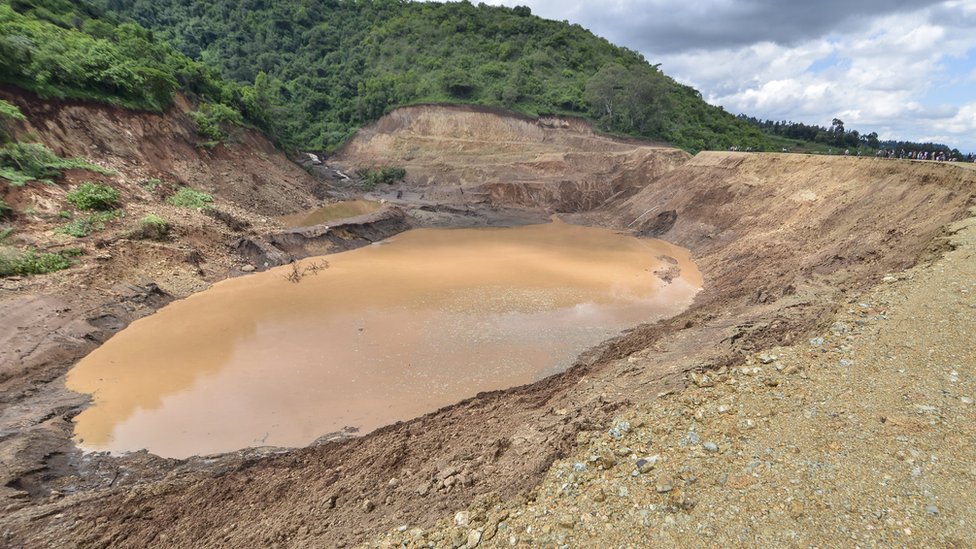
(861, 437)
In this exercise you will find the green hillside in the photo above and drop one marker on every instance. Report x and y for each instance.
(310, 72)
(59, 48)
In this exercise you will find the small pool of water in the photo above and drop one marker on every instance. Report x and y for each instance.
(339, 210)
(384, 333)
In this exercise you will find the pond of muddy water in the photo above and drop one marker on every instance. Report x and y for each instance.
(383, 333)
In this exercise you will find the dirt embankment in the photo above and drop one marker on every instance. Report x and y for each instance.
(466, 155)
(248, 171)
(51, 321)
(859, 436)
(773, 223)
(779, 238)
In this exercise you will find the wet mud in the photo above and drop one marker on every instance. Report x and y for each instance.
(339, 210)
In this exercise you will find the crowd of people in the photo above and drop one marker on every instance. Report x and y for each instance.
(937, 156)
(902, 154)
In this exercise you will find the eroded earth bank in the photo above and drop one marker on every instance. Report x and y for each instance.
(842, 378)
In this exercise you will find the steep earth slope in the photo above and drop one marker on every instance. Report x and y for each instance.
(851, 219)
(783, 241)
(467, 155)
(248, 171)
(52, 320)
(861, 435)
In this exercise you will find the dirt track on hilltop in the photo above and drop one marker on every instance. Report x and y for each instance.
(781, 240)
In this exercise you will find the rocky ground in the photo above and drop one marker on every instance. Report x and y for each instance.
(860, 436)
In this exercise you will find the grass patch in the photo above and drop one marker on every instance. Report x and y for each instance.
(383, 175)
(211, 120)
(5, 208)
(151, 227)
(9, 110)
(151, 184)
(77, 228)
(85, 226)
(23, 162)
(19, 179)
(190, 198)
(5, 233)
(31, 262)
(94, 196)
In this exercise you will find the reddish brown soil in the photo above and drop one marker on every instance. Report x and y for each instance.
(779, 238)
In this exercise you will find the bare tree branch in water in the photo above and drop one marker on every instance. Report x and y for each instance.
(298, 272)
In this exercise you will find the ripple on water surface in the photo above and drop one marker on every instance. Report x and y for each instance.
(386, 333)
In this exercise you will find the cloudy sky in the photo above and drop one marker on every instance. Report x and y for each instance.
(905, 69)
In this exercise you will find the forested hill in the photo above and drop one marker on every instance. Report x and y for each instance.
(310, 72)
(61, 48)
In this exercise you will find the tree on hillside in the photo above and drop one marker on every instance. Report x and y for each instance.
(604, 90)
(626, 100)
(837, 132)
(871, 140)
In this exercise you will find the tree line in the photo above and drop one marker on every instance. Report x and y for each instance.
(838, 136)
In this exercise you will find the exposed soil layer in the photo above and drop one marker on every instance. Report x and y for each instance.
(781, 241)
(467, 155)
(859, 436)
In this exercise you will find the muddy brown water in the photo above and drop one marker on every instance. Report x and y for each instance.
(332, 212)
(385, 333)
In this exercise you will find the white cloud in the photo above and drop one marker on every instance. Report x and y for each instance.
(964, 121)
(880, 66)
(879, 78)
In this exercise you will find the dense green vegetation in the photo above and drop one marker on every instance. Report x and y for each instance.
(62, 48)
(75, 49)
(383, 175)
(310, 72)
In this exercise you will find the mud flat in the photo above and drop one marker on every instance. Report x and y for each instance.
(339, 210)
(784, 244)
